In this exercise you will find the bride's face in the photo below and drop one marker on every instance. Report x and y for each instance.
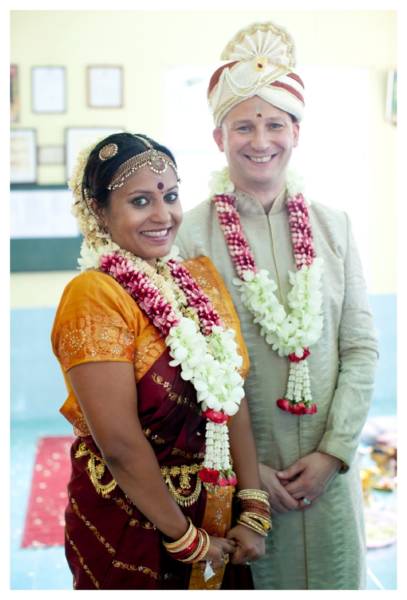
(144, 215)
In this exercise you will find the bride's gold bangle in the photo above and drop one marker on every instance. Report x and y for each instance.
(184, 541)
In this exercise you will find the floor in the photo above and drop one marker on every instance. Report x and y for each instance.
(32, 568)
(37, 391)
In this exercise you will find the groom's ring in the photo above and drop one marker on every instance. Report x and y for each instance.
(306, 501)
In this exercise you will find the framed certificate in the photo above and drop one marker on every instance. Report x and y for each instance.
(23, 156)
(48, 93)
(104, 86)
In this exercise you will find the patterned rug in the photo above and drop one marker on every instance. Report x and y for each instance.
(44, 524)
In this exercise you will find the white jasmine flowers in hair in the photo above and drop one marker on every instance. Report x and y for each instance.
(75, 182)
(86, 218)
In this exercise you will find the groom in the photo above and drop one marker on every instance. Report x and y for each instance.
(296, 280)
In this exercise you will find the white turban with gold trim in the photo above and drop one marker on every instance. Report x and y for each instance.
(262, 58)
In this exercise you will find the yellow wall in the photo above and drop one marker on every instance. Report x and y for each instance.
(146, 43)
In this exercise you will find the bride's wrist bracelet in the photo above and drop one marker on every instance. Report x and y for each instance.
(190, 547)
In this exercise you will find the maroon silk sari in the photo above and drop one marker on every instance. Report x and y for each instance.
(109, 543)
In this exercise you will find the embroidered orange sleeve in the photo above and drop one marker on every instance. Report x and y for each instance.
(93, 322)
(97, 320)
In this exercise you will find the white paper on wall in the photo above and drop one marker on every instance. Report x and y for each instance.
(42, 214)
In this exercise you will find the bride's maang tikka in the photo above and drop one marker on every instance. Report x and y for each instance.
(157, 161)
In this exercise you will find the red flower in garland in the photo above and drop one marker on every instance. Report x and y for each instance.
(311, 410)
(284, 404)
(215, 415)
(209, 475)
(294, 358)
(296, 408)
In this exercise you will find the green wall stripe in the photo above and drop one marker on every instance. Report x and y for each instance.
(44, 254)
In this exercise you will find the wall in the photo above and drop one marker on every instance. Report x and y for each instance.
(147, 43)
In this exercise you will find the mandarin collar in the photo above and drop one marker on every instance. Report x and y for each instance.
(249, 206)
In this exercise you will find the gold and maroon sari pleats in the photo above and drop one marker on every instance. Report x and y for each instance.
(110, 544)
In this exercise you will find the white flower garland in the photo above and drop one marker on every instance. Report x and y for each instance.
(286, 332)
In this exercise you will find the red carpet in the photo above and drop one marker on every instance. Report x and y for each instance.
(44, 524)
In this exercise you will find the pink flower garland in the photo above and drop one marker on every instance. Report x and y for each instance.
(208, 317)
(229, 220)
(239, 249)
(139, 287)
(301, 233)
(162, 315)
(243, 259)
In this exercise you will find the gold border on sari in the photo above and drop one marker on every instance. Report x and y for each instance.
(216, 521)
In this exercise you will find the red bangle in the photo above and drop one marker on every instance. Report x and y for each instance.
(182, 554)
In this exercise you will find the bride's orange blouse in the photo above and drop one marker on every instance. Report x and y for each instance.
(97, 320)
